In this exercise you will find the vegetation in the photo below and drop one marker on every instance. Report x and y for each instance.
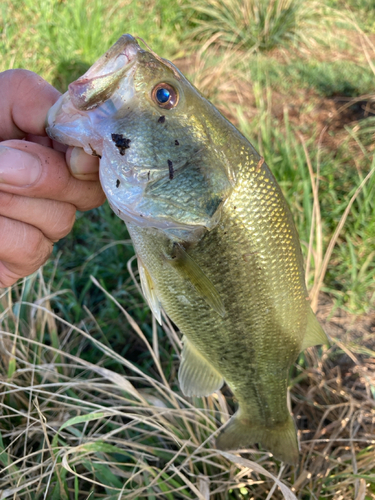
(254, 24)
(89, 403)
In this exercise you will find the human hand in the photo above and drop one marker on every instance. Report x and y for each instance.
(41, 187)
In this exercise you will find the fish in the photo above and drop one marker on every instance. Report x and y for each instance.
(215, 241)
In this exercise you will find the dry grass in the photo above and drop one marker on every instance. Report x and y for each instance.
(70, 428)
(63, 416)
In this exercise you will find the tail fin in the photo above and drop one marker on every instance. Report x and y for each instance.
(281, 440)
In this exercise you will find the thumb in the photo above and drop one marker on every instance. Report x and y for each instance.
(81, 165)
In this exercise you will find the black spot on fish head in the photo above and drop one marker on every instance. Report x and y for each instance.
(121, 142)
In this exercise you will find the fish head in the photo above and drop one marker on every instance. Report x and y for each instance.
(162, 144)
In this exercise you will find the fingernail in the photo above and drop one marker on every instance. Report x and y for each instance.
(18, 168)
(81, 164)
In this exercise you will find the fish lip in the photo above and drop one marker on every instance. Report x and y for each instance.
(51, 115)
(112, 66)
(90, 89)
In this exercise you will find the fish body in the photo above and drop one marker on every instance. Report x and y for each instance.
(215, 240)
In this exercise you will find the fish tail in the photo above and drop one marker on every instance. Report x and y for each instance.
(281, 440)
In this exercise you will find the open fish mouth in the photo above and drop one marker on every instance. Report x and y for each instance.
(100, 81)
(69, 118)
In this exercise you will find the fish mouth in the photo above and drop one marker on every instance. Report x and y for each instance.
(73, 118)
(101, 80)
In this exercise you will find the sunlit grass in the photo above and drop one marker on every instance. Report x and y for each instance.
(60, 40)
(256, 24)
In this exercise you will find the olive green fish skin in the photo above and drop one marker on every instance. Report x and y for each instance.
(214, 237)
(254, 261)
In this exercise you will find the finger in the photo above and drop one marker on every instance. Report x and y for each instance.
(32, 170)
(39, 139)
(7, 277)
(53, 218)
(46, 141)
(81, 165)
(25, 99)
(23, 250)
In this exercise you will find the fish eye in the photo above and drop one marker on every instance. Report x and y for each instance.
(165, 95)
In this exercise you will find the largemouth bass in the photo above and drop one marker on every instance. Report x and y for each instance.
(216, 244)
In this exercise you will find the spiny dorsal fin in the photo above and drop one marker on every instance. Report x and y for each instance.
(148, 290)
(190, 270)
(196, 375)
(315, 335)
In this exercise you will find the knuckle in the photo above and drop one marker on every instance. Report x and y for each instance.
(64, 223)
(7, 200)
(6, 281)
(7, 277)
(26, 249)
(24, 79)
(15, 76)
(37, 250)
(94, 198)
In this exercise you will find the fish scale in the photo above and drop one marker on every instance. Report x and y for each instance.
(215, 240)
(229, 335)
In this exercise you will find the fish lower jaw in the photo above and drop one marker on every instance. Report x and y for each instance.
(125, 197)
(76, 131)
(170, 227)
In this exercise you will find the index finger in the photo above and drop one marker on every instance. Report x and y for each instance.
(25, 99)
(41, 172)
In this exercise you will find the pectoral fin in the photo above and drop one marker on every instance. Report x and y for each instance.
(148, 290)
(315, 334)
(189, 270)
(196, 375)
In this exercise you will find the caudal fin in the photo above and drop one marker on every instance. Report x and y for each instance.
(281, 440)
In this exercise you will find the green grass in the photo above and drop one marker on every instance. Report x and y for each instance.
(255, 25)
(362, 10)
(327, 78)
(60, 40)
(90, 403)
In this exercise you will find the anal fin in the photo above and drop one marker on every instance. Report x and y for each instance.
(196, 375)
(148, 290)
(189, 270)
(315, 335)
